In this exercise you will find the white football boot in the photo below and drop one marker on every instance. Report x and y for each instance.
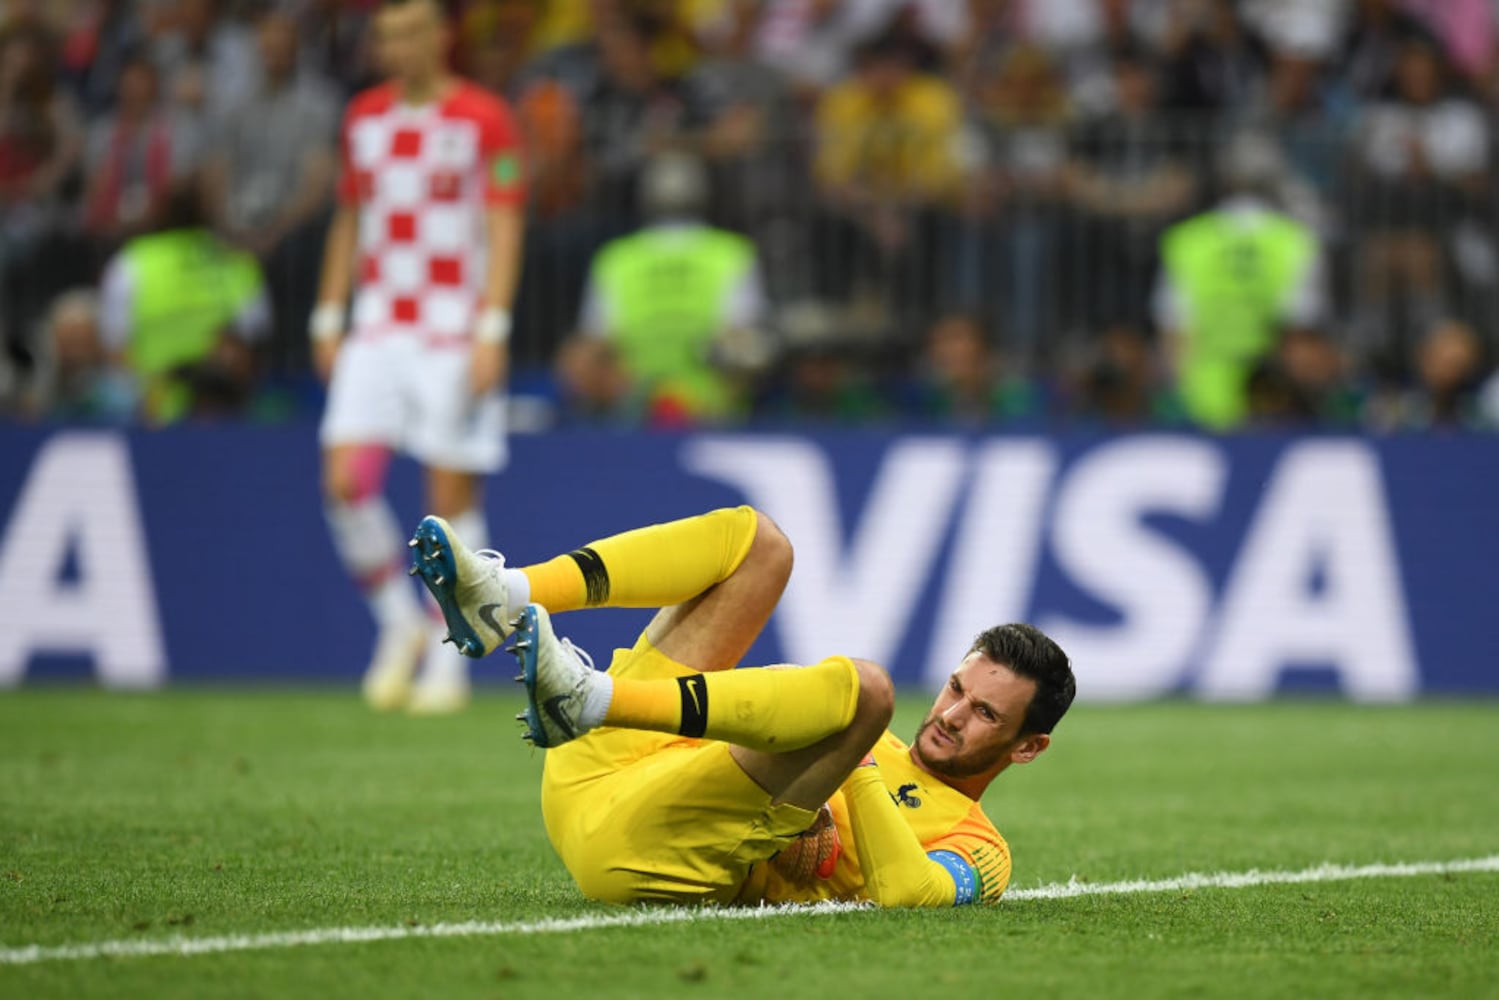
(398, 652)
(559, 679)
(468, 586)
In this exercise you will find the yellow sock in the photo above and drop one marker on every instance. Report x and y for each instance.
(762, 708)
(650, 567)
(557, 584)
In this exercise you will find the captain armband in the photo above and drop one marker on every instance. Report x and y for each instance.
(963, 875)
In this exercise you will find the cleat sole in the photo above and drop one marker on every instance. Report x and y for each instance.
(524, 627)
(432, 560)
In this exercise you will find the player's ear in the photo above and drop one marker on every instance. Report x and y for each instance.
(1026, 749)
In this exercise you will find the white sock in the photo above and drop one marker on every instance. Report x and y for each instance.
(517, 590)
(596, 700)
(368, 540)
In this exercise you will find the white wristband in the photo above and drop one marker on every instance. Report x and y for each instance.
(493, 326)
(327, 321)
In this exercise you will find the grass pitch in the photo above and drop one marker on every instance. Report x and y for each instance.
(212, 813)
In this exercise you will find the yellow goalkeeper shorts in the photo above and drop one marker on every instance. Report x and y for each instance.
(650, 817)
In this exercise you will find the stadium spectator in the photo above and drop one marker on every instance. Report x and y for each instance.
(1117, 383)
(632, 112)
(1423, 157)
(682, 301)
(1370, 52)
(742, 115)
(962, 380)
(97, 43)
(207, 59)
(888, 172)
(270, 177)
(1310, 28)
(807, 41)
(1448, 367)
(1013, 212)
(74, 378)
(1321, 375)
(594, 386)
(823, 383)
(1233, 278)
(1129, 176)
(1080, 31)
(1212, 61)
(994, 27)
(40, 143)
(428, 239)
(563, 24)
(1466, 29)
(1386, 157)
(562, 230)
(494, 38)
(185, 311)
(133, 155)
(813, 42)
(1271, 402)
(1296, 106)
(335, 37)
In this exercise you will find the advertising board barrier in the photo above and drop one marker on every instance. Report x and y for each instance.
(1225, 569)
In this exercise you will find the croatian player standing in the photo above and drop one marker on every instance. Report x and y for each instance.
(430, 218)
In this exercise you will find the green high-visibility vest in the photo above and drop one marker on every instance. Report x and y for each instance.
(1233, 278)
(667, 290)
(188, 288)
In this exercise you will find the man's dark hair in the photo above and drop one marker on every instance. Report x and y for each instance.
(183, 207)
(1029, 652)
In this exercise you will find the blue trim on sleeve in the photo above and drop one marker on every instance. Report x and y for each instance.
(962, 873)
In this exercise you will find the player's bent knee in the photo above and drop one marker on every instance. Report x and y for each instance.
(338, 485)
(355, 473)
(772, 548)
(876, 705)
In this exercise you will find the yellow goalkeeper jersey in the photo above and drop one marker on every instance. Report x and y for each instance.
(951, 827)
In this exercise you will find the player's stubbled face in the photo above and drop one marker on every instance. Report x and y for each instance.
(976, 720)
(409, 38)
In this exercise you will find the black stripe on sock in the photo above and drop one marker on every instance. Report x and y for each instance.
(595, 576)
(694, 689)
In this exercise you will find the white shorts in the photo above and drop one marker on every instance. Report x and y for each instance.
(397, 391)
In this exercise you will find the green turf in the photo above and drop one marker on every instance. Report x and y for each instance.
(209, 813)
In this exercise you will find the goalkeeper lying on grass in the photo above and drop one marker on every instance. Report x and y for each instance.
(674, 777)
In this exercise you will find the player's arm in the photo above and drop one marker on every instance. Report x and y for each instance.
(504, 233)
(337, 279)
(897, 869)
(333, 289)
(315, 177)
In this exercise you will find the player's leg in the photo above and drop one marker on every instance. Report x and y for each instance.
(808, 777)
(772, 709)
(455, 495)
(360, 426)
(458, 438)
(718, 574)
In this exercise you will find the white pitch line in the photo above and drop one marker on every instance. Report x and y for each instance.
(187, 946)
(1239, 880)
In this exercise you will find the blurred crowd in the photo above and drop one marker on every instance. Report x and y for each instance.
(1105, 213)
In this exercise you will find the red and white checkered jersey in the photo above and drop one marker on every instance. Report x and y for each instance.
(422, 178)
